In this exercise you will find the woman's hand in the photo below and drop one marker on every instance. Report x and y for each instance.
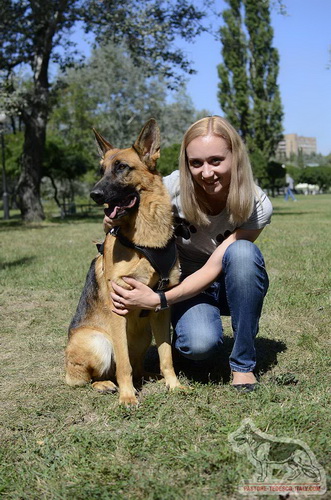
(108, 224)
(139, 297)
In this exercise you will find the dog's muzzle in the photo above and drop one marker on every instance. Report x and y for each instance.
(116, 206)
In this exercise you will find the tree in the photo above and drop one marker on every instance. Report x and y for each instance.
(65, 163)
(119, 102)
(248, 90)
(169, 157)
(234, 85)
(32, 31)
(276, 176)
(317, 175)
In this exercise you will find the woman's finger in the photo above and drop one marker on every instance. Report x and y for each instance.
(120, 312)
(117, 298)
(131, 281)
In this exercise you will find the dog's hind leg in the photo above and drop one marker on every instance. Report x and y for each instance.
(89, 356)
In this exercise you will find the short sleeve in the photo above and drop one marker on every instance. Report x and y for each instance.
(262, 212)
(171, 182)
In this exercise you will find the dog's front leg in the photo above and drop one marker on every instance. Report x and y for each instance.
(123, 367)
(160, 323)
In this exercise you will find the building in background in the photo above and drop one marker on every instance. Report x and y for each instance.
(293, 144)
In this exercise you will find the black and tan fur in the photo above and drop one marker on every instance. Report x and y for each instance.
(103, 347)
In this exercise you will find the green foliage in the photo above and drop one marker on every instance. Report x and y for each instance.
(33, 34)
(321, 176)
(302, 160)
(13, 153)
(234, 86)
(294, 172)
(65, 161)
(276, 175)
(259, 165)
(248, 89)
(149, 31)
(118, 103)
(168, 161)
(269, 175)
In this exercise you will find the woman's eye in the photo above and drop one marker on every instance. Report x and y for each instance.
(216, 161)
(195, 163)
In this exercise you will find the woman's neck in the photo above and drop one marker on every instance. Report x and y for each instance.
(216, 203)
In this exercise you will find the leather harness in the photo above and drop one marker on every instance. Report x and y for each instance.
(161, 259)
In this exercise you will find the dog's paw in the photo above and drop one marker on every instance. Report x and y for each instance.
(175, 385)
(180, 387)
(104, 386)
(129, 400)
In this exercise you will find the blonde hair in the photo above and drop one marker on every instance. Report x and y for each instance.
(240, 200)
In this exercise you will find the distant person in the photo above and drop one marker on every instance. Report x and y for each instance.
(289, 189)
(218, 213)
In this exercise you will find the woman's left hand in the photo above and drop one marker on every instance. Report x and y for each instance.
(139, 297)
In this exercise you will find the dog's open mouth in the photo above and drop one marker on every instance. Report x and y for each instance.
(117, 209)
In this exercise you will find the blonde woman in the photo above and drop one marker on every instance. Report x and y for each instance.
(219, 212)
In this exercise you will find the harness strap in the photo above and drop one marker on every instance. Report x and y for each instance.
(162, 259)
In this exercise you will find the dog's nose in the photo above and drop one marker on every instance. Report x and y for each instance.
(97, 195)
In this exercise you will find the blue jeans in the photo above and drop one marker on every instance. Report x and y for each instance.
(238, 292)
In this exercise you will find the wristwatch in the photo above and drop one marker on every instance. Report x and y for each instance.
(163, 302)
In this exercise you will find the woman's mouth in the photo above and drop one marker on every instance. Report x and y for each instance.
(210, 183)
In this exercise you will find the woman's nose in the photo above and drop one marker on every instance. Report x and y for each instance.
(207, 170)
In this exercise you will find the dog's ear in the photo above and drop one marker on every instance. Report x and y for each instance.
(148, 144)
(102, 144)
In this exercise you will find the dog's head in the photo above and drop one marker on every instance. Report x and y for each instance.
(126, 172)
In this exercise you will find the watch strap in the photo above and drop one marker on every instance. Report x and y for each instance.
(163, 301)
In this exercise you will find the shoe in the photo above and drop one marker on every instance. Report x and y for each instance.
(245, 387)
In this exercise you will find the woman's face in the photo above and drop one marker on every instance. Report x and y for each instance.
(210, 162)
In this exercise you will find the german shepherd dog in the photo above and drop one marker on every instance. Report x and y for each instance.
(103, 347)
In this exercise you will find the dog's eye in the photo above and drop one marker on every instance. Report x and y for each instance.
(119, 166)
(101, 171)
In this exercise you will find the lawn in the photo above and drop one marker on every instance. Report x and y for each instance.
(64, 443)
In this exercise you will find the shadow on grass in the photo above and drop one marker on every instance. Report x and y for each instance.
(95, 217)
(292, 209)
(275, 213)
(218, 371)
(16, 223)
(17, 263)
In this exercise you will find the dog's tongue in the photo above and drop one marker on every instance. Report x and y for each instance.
(111, 212)
(112, 215)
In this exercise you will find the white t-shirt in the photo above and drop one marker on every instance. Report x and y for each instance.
(196, 243)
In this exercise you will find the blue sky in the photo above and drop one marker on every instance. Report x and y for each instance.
(303, 39)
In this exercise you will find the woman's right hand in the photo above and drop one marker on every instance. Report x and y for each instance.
(139, 297)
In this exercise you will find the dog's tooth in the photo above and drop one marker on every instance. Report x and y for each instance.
(106, 205)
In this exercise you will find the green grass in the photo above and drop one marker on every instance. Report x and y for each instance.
(63, 443)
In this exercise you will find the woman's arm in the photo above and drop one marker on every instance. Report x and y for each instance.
(141, 296)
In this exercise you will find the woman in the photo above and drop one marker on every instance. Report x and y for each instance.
(219, 212)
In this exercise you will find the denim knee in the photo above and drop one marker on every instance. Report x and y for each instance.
(196, 349)
(198, 330)
(244, 260)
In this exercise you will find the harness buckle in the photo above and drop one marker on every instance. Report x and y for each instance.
(163, 284)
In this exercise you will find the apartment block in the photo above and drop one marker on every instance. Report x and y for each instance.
(293, 143)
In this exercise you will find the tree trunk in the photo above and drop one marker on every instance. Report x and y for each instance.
(30, 179)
